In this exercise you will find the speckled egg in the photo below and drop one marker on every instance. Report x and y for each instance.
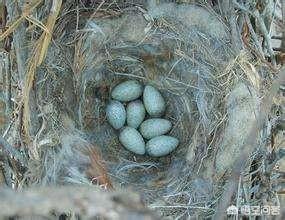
(116, 114)
(154, 127)
(161, 145)
(135, 113)
(132, 140)
(153, 101)
(127, 91)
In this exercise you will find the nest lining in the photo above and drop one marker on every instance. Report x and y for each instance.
(187, 64)
(160, 57)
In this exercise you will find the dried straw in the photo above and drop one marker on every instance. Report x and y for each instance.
(80, 50)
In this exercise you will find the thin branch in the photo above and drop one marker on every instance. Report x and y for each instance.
(254, 36)
(266, 35)
(10, 151)
(283, 21)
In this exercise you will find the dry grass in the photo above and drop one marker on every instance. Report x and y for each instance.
(38, 54)
(78, 52)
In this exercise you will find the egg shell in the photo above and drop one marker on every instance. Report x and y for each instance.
(153, 101)
(161, 145)
(127, 91)
(154, 127)
(116, 114)
(135, 113)
(132, 140)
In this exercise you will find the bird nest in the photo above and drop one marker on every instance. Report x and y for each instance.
(182, 50)
(186, 63)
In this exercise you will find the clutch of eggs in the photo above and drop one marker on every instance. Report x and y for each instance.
(127, 113)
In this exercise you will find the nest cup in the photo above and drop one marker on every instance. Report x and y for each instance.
(180, 57)
(118, 156)
(159, 56)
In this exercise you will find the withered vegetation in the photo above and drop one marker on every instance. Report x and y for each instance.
(218, 64)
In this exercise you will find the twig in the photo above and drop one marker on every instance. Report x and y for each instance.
(266, 35)
(254, 36)
(236, 38)
(8, 87)
(19, 35)
(270, 164)
(283, 19)
(6, 170)
(10, 150)
(263, 29)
